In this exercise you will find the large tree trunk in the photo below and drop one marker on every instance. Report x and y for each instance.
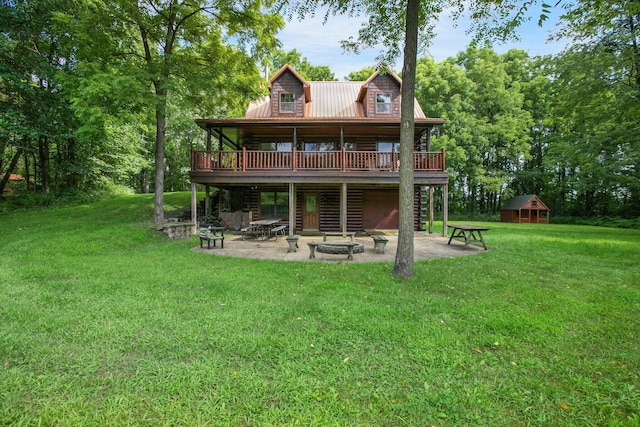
(161, 111)
(404, 253)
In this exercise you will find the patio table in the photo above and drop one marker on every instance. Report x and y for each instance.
(468, 233)
(265, 225)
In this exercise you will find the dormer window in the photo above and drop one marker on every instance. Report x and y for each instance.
(287, 104)
(383, 103)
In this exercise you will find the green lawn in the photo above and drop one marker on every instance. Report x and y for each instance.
(105, 322)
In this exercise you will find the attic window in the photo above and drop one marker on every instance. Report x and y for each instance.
(383, 103)
(534, 203)
(287, 103)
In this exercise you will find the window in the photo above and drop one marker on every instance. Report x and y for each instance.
(534, 203)
(388, 147)
(287, 103)
(274, 204)
(319, 146)
(385, 160)
(383, 103)
(275, 146)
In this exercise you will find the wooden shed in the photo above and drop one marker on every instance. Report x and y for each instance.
(525, 209)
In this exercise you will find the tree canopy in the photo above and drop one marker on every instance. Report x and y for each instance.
(82, 83)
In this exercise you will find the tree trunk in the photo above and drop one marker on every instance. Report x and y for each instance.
(9, 171)
(161, 111)
(71, 160)
(144, 181)
(27, 173)
(404, 253)
(43, 151)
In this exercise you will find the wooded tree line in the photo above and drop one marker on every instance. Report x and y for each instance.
(98, 95)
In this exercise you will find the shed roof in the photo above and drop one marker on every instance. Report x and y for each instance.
(518, 202)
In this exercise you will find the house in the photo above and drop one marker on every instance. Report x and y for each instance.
(322, 156)
(525, 209)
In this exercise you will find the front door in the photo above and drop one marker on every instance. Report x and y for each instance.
(311, 212)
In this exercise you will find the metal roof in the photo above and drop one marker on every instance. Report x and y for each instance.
(329, 100)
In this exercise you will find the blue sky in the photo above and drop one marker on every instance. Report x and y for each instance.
(321, 43)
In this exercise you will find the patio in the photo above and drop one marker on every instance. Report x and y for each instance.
(425, 247)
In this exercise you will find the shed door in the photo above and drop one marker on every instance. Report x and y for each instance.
(381, 210)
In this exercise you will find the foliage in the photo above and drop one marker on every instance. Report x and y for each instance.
(302, 66)
(97, 85)
(362, 75)
(487, 130)
(80, 108)
(558, 127)
(126, 327)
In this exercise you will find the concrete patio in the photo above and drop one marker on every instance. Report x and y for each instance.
(426, 246)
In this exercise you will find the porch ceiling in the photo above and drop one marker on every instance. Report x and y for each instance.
(237, 130)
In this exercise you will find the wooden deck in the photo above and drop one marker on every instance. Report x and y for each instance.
(343, 161)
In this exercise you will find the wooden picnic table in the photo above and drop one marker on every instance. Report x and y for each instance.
(470, 234)
(264, 226)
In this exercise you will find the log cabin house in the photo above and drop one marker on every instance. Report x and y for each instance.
(323, 156)
(525, 209)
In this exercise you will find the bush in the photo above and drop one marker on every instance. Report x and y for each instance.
(603, 221)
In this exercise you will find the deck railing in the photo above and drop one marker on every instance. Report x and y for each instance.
(342, 160)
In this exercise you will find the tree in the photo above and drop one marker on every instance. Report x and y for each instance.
(362, 75)
(397, 25)
(195, 45)
(599, 78)
(487, 126)
(36, 115)
(302, 66)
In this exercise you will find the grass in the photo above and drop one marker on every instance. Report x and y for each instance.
(105, 322)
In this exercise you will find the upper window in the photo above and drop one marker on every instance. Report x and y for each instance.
(319, 146)
(350, 146)
(383, 103)
(275, 146)
(388, 147)
(287, 103)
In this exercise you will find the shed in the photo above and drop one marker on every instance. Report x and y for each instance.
(525, 209)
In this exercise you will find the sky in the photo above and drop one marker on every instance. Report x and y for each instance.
(320, 44)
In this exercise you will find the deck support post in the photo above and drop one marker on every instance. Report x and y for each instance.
(431, 209)
(194, 207)
(343, 208)
(292, 208)
(207, 199)
(445, 208)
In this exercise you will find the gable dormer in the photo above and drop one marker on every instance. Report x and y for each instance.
(290, 93)
(380, 96)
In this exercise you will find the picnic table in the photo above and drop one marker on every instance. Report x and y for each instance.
(212, 234)
(470, 234)
(263, 227)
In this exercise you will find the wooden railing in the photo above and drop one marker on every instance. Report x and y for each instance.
(343, 160)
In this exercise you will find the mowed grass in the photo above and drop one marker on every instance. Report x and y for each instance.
(103, 321)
